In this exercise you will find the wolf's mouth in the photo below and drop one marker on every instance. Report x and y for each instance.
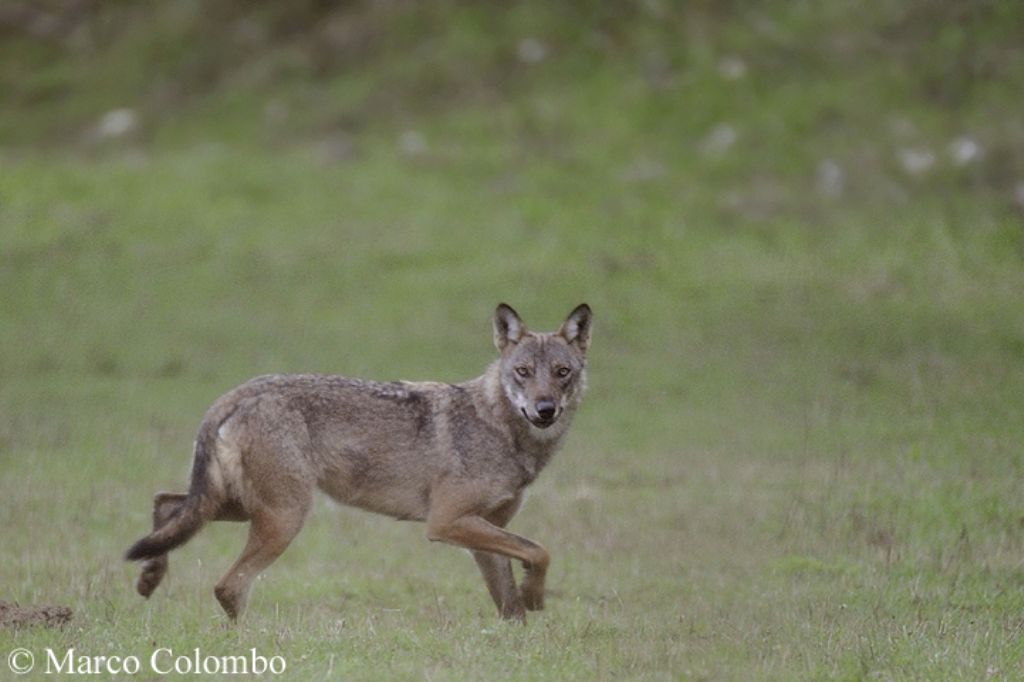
(539, 422)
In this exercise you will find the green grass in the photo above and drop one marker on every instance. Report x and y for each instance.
(800, 454)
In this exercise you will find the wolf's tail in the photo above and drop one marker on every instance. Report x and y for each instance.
(193, 513)
(176, 532)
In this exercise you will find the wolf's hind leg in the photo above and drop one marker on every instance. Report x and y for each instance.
(165, 506)
(270, 533)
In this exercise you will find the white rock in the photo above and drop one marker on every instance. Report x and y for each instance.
(117, 123)
(721, 138)
(732, 68)
(917, 161)
(964, 150)
(1018, 195)
(643, 170)
(531, 51)
(412, 143)
(831, 178)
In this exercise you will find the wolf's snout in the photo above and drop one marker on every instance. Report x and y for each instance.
(545, 409)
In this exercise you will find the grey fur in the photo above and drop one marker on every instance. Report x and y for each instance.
(455, 456)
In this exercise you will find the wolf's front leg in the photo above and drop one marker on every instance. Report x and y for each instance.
(478, 534)
(497, 572)
(532, 589)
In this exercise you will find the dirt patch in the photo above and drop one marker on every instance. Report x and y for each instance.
(14, 616)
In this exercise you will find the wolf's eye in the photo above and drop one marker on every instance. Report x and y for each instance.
(523, 371)
(562, 372)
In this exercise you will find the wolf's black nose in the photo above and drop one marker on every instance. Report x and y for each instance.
(545, 409)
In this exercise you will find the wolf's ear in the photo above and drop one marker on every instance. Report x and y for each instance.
(576, 328)
(508, 328)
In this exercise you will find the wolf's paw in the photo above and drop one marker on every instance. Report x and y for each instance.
(514, 611)
(153, 572)
(533, 600)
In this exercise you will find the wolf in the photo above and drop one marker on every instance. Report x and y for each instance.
(456, 457)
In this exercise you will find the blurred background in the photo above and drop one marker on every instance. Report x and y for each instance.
(800, 226)
(193, 184)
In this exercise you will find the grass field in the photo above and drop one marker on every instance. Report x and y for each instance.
(800, 456)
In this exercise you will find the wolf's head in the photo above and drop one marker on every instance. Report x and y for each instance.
(542, 374)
